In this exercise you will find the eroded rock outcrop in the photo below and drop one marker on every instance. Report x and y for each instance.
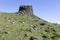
(26, 9)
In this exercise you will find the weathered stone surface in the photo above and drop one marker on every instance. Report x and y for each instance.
(26, 9)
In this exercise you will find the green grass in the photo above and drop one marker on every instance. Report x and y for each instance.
(14, 26)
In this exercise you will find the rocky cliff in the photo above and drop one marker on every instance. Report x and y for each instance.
(26, 9)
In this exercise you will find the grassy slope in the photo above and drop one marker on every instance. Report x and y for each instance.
(15, 26)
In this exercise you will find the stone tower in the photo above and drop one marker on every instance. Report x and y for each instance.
(26, 9)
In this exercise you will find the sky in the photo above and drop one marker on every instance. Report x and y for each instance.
(46, 9)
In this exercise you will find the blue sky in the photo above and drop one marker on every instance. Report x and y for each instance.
(46, 9)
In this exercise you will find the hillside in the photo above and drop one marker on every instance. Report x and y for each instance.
(23, 27)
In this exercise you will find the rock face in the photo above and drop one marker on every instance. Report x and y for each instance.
(26, 9)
